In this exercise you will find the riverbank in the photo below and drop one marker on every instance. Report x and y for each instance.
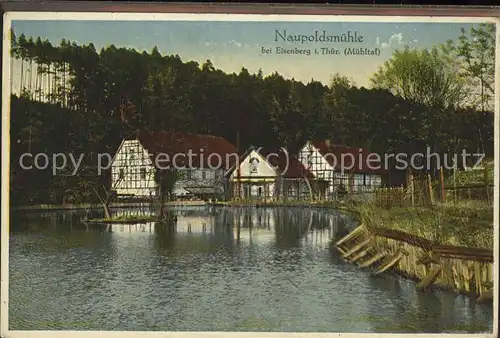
(277, 204)
(448, 245)
(235, 203)
(84, 206)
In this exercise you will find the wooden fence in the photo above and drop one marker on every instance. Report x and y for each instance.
(467, 270)
(424, 192)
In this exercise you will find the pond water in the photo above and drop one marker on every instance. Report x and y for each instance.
(279, 276)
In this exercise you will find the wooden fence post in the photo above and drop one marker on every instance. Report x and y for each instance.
(412, 190)
(454, 185)
(443, 195)
(486, 183)
(429, 180)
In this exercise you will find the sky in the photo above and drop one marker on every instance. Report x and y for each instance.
(233, 45)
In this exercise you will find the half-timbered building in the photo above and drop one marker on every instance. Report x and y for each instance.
(350, 169)
(200, 162)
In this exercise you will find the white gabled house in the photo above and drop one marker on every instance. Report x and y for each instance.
(324, 160)
(201, 161)
(264, 174)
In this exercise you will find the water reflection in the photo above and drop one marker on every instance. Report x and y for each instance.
(246, 225)
(224, 269)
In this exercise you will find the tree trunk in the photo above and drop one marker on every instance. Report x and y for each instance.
(21, 84)
(107, 213)
(161, 202)
(48, 84)
(160, 207)
(31, 78)
(64, 103)
(36, 82)
(11, 68)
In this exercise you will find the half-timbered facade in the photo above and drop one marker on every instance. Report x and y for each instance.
(351, 169)
(200, 162)
(264, 174)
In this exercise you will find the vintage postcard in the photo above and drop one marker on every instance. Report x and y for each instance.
(249, 173)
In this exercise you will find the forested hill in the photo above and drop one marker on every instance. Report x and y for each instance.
(71, 97)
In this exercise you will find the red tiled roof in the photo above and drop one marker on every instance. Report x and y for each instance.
(288, 165)
(201, 146)
(362, 162)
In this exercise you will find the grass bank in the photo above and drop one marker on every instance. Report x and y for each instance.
(464, 223)
(282, 203)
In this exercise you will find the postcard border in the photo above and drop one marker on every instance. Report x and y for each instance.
(199, 13)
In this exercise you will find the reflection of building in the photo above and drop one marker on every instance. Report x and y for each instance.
(195, 223)
(266, 174)
(148, 227)
(256, 225)
(362, 171)
(201, 161)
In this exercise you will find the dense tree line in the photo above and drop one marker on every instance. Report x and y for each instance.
(72, 98)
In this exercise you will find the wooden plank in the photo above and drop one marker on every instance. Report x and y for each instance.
(461, 250)
(342, 251)
(385, 266)
(350, 235)
(360, 255)
(477, 276)
(467, 257)
(357, 247)
(487, 296)
(372, 260)
(430, 278)
(403, 236)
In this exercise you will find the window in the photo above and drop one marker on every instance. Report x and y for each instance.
(122, 174)
(309, 157)
(254, 165)
(143, 173)
(203, 175)
(189, 174)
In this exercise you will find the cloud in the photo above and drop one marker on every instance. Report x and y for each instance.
(396, 38)
(234, 43)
